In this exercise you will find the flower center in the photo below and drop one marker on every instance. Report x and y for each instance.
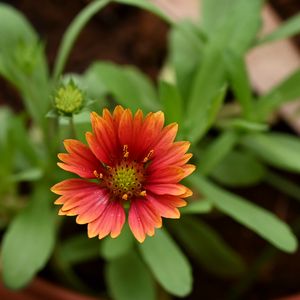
(125, 179)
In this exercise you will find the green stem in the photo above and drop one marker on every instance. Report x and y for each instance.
(72, 128)
(72, 33)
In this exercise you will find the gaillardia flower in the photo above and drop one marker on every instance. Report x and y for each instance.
(135, 164)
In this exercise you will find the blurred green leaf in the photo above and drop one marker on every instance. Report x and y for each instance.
(234, 23)
(217, 150)
(114, 248)
(289, 28)
(238, 169)
(201, 206)
(128, 85)
(186, 46)
(128, 279)
(78, 249)
(239, 81)
(28, 175)
(29, 240)
(208, 248)
(204, 91)
(14, 28)
(171, 102)
(243, 125)
(277, 149)
(167, 263)
(261, 221)
(144, 4)
(287, 90)
(22, 61)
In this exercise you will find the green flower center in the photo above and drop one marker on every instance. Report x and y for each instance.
(125, 180)
(69, 99)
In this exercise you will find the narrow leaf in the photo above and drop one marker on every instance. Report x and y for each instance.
(277, 149)
(171, 102)
(240, 82)
(238, 169)
(217, 150)
(201, 206)
(29, 240)
(128, 278)
(287, 90)
(128, 85)
(114, 248)
(167, 263)
(287, 29)
(261, 221)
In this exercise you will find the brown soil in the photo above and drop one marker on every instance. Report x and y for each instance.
(130, 36)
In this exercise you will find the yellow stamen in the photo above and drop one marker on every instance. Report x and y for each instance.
(143, 193)
(125, 197)
(98, 175)
(125, 151)
(148, 156)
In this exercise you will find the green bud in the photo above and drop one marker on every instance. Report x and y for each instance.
(68, 99)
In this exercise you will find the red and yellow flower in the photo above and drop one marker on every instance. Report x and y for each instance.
(135, 163)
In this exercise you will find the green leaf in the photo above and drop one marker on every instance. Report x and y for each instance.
(243, 125)
(144, 4)
(277, 149)
(261, 221)
(234, 23)
(78, 249)
(217, 150)
(167, 263)
(171, 102)
(239, 81)
(186, 47)
(14, 28)
(238, 169)
(29, 240)
(287, 90)
(204, 92)
(208, 248)
(114, 248)
(128, 85)
(28, 175)
(128, 279)
(289, 28)
(22, 61)
(201, 206)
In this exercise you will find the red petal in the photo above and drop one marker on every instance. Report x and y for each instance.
(111, 221)
(175, 189)
(74, 186)
(143, 219)
(166, 205)
(170, 156)
(166, 175)
(80, 159)
(106, 134)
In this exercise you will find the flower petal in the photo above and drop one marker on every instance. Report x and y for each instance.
(80, 159)
(166, 205)
(110, 222)
(174, 189)
(143, 219)
(171, 174)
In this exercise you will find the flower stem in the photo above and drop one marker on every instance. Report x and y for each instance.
(72, 33)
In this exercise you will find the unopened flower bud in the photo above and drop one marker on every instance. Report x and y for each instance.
(68, 99)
